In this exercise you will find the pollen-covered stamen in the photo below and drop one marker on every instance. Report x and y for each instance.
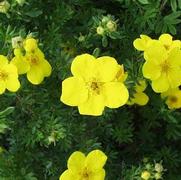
(85, 174)
(94, 86)
(33, 60)
(3, 75)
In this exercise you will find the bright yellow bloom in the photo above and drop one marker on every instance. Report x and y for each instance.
(173, 98)
(93, 85)
(8, 76)
(81, 167)
(139, 96)
(142, 43)
(145, 175)
(162, 67)
(33, 62)
(168, 43)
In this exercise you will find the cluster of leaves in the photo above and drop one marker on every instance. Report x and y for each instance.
(41, 132)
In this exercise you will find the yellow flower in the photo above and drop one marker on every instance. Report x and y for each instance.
(39, 66)
(162, 67)
(168, 43)
(8, 76)
(173, 98)
(33, 62)
(20, 62)
(81, 167)
(142, 43)
(145, 175)
(93, 85)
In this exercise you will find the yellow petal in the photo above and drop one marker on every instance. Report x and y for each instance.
(166, 40)
(76, 161)
(141, 98)
(3, 61)
(141, 86)
(107, 67)
(93, 106)
(100, 175)
(141, 43)
(12, 84)
(11, 70)
(151, 70)
(46, 67)
(95, 160)
(115, 94)
(68, 175)
(30, 44)
(161, 84)
(2, 87)
(35, 75)
(174, 77)
(176, 43)
(156, 52)
(21, 63)
(74, 91)
(83, 66)
(175, 57)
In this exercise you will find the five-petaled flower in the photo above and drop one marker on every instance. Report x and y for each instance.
(81, 167)
(94, 85)
(8, 76)
(162, 67)
(33, 62)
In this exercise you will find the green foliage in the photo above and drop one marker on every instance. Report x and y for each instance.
(38, 132)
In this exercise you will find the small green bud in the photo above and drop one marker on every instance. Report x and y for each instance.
(4, 6)
(158, 167)
(20, 2)
(100, 30)
(112, 26)
(81, 38)
(17, 42)
(158, 176)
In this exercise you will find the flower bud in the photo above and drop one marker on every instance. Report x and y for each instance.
(17, 42)
(112, 26)
(145, 175)
(158, 176)
(158, 167)
(100, 30)
(81, 38)
(4, 6)
(105, 19)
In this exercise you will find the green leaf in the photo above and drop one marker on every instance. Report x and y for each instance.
(34, 13)
(7, 111)
(144, 1)
(104, 41)
(173, 5)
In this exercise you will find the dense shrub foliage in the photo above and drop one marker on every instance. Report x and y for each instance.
(38, 133)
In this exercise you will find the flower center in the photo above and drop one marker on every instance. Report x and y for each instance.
(95, 87)
(173, 99)
(85, 175)
(33, 60)
(165, 67)
(3, 75)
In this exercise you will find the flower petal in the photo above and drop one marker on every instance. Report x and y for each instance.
(156, 52)
(46, 67)
(76, 161)
(141, 98)
(100, 175)
(74, 91)
(175, 57)
(95, 160)
(107, 67)
(83, 66)
(161, 84)
(141, 43)
(2, 87)
(21, 63)
(68, 175)
(93, 106)
(141, 86)
(12, 84)
(115, 94)
(35, 75)
(174, 77)
(166, 39)
(151, 70)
